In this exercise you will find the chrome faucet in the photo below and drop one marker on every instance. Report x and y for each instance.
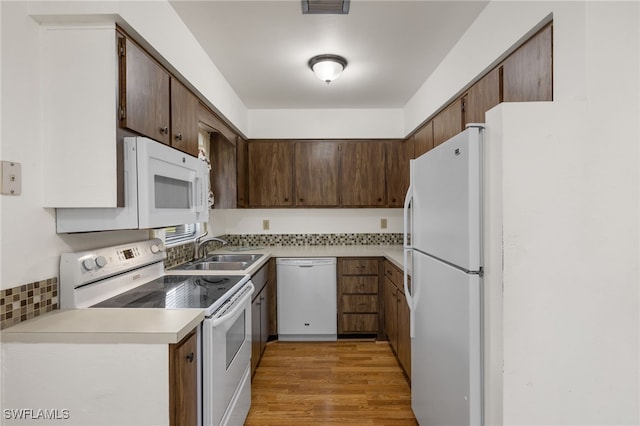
(201, 245)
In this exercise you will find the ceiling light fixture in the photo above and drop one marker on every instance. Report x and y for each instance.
(327, 67)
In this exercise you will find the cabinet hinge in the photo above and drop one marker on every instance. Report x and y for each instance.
(464, 105)
(122, 49)
(122, 113)
(339, 147)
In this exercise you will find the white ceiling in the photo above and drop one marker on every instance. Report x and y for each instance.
(262, 48)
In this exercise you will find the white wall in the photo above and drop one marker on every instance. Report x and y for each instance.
(562, 308)
(501, 26)
(29, 246)
(326, 123)
(301, 221)
(568, 336)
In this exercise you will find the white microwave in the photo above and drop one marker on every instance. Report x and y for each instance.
(162, 187)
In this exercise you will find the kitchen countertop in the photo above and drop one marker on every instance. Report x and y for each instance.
(106, 325)
(164, 326)
(393, 253)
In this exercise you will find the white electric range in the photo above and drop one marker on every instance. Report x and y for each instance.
(133, 276)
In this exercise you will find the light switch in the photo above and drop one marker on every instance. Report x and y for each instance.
(11, 178)
(383, 223)
(265, 224)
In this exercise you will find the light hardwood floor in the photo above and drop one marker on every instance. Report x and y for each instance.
(329, 383)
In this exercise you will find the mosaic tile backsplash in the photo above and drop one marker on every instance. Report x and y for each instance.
(313, 239)
(184, 253)
(27, 301)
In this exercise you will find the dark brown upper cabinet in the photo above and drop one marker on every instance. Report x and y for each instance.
(242, 170)
(528, 72)
(317, 173)
(153, 103)
(223, 172)
(144, 93)
(363, 174)
(184, 118)
(448, 122)
(270, 170)
(481, 97)
(397, 156)
(423, 140)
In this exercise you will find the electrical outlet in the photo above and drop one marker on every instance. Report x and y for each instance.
(383, 223)
(11, 178)
(265, 224)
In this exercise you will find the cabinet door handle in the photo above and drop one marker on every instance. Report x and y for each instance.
(190, 357)
(164, 130)
(178, 136)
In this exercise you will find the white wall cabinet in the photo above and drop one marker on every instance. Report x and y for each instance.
(79, 105)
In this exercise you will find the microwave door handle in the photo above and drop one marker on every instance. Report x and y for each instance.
(199, 194)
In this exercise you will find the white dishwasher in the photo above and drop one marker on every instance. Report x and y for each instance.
(307, 299)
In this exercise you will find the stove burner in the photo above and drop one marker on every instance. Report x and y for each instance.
(177, 292)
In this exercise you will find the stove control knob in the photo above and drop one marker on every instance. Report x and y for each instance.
(101, 261)
(155, 249)
(89, 264)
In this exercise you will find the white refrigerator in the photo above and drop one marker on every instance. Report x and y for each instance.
(443, 227)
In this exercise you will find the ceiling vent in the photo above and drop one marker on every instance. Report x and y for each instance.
(336, 7)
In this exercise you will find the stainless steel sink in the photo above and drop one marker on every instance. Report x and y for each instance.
(216, 266)
(221, 262)
(250, 258)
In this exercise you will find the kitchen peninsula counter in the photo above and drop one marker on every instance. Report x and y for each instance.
(106, 325)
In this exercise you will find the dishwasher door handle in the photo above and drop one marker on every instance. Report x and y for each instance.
(306, 266)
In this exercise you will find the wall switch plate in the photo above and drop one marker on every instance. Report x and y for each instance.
(383, 223)
(11, 178)
(265, 224)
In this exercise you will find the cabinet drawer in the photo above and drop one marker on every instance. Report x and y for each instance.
(392, 272)
(360, 266)
(360, 284)
(259, 279)
(359, 323)
(354, 303)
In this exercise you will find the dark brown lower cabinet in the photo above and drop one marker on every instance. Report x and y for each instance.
(183, 382)
(396, 311)
(260, 314)
(358, 291)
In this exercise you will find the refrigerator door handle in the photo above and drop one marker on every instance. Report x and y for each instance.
(407, 295)
(407, 249)
(407, 201)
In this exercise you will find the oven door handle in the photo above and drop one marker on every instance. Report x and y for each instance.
(238, 306)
